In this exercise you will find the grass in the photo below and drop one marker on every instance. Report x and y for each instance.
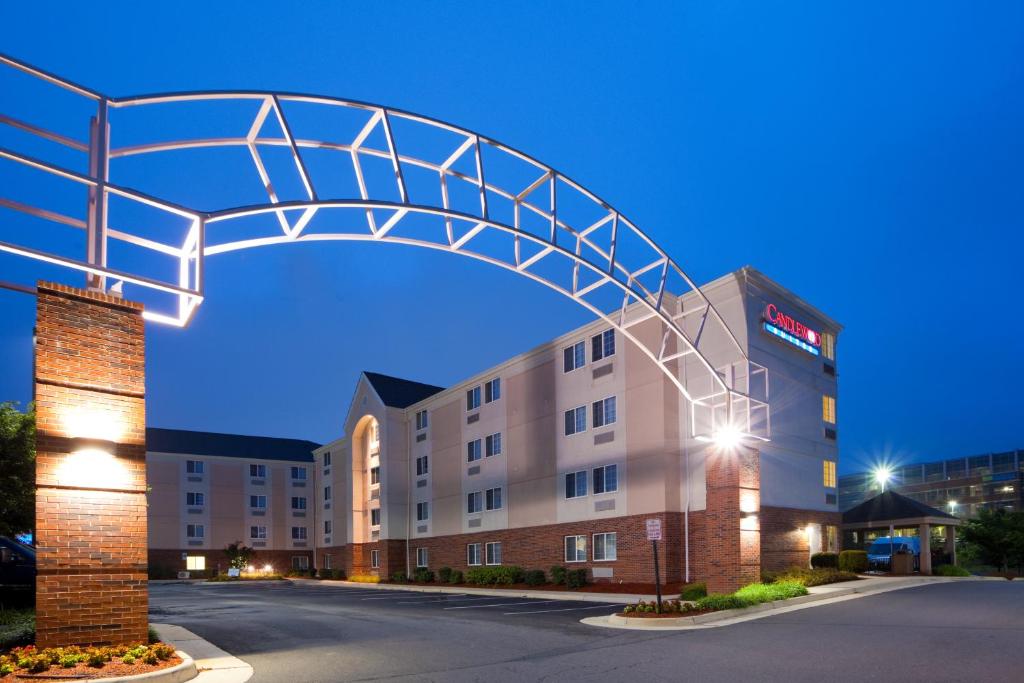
(17, 627)
(809, 577)
(950, 570)
(748, 596)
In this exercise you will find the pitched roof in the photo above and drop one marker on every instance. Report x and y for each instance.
(228, 445)
(890, 505)
(400, 393)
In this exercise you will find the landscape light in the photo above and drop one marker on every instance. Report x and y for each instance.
(250, 569)
(267, 568)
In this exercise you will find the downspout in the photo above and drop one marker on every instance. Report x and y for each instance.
(686, 515)
(408, 494)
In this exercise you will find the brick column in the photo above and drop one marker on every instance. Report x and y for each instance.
(90, 469)
(733, 531)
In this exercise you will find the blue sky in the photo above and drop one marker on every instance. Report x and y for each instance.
(867, 157)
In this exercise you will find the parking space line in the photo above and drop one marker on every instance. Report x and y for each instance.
(455, 597)
(505, 604)
(567, 609)
(397, 597)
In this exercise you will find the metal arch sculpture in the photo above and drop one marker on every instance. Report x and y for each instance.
(547, 242)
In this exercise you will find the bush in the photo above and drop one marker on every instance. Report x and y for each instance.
(720, 602)
(809, 577)
(757, 593)
(17, 627)
(338, 574)
(399, 577)
(853, 561)
(444, 574)
(366, 578)
(558, 575)
(825, 560)
(694, 591)
(576, 578)
(456, 577)
(312, 572)
(500, 575)
(951, 570)
(535, 577)
(423, 575)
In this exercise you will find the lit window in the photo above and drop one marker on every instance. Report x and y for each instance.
(258, 471)
(473, 398)
(194, 499)
(828, 409)
(299, 473)
(375, 517)
(830, 473)
(327, 527)
(195, 563)
(473, 554)
(474, 502)
(494, 499)
(575, 420)
(604, 412)
(421, 557)
(828, 345)
(604, 547)
(492, 390)
(602, 345)
(327, 493)
(422, 512)
(473, 451)
(576, 484)
(574, 357)
(494, 553)
(194, 466)
(374, 559)
(492, 445)
(422, 465)
(258, 532)
(374, 475)
(258, 502)
(298, 533)
(575, 548)
(194, 531)
(327, 459)
(298, 502)
(421, 420)
(606, 479)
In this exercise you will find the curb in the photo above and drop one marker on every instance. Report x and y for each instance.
(213, 664)
(623, 598)
(178, 673)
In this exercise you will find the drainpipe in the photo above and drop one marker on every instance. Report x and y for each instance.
(686, 515)
(408, 495)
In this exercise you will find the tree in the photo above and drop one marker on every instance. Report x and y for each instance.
(17, 470)
(997, 537)
(238, 554)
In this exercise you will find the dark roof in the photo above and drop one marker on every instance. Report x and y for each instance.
(400, 393)
(228, 445)
(890, 505)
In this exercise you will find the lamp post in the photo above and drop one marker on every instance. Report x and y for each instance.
(882, 476)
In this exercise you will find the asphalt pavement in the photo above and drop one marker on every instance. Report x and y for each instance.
(962, 631)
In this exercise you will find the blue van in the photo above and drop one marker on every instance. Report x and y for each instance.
(885, 547)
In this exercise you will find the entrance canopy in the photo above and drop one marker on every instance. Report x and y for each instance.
(892, 509)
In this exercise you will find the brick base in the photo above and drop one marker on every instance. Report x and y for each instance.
(165, 563)
(784, 538)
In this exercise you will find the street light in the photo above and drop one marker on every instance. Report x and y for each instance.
(952, 507)
(882, 476)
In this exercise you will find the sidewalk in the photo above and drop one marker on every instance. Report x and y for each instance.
(214, 664)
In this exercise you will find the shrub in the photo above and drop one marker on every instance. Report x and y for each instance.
(423, 575)
(825, 560)
(150, 658)
(809, 577)
(535, 577)
(444, 574)
(757, 593)
(153, 636)
(128, 659)
(558, 575)
(456, 577)
(17, 627)
(366, 578)
(312, 572)
(399, 577)
(96, 658)
(951, 570)
(338, 574)
(720, 602)
(853, 561)
(500, 575)
(694, 591)
(576, 578)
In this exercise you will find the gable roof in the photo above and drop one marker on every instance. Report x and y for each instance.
(228, 445)
(400, 393)
(890, 505)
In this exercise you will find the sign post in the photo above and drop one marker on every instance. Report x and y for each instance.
(654, 535)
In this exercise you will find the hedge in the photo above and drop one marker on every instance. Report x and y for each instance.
(825, 560)
(853, 561)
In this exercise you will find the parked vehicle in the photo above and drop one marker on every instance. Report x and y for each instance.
(881, 551)
(17, 573)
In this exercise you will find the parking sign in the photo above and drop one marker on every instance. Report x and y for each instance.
(654, 529)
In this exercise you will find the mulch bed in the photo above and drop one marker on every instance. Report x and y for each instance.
(83, 671)
(663, 615)
(631, 588)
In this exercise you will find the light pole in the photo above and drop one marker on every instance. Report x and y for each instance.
(882, 476)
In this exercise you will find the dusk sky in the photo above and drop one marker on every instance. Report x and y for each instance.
(868, 157)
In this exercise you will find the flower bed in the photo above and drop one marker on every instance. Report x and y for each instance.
(754, 594)
(219, 578)
(28, 663)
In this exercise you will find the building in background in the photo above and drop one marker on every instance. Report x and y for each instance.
(961, 486)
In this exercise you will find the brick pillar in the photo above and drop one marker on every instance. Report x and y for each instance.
(90, 469)
(733, 533)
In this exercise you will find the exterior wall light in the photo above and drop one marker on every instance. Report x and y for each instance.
(91, 464)
(748, 521)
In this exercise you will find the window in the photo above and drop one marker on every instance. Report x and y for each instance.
(422, 512)
(298, 502)
(575, 420)
(602, 345)
(258, 532)
(194, 499)
(258, 471)
(574, 357)
(327, 459)
(494, 499)
(828, 409)
(473, 450)
(194, 466)
(492, 445)
(374, 559)
(474, 502)
(492, 390)
(473, 398)
(375, 517)
(327, 561)
(299, 473)
(374, 475)
(422, 465)
(575, 548)
(421, 420)
(606, 479)
(298, 533)
(194, 531)
(604, 547)
(258, 502)
(576, 484)
(327, 493)
(421, 557)
(195, 563)
(828, 345)
(300, 562)
(494, 553)
(604, 412)
(830, 473)
(327, 526)
(473, 554)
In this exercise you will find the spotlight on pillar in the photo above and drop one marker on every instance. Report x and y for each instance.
(91, 464)
(882, 475)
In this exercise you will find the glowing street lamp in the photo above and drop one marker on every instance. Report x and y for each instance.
(952, 507)
(882, 476)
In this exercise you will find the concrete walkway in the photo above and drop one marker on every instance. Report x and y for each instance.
(214, 664)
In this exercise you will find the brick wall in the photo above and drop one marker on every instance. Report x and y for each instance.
(167, 562)
(90, 510)
(732, 541)
(785, 542)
